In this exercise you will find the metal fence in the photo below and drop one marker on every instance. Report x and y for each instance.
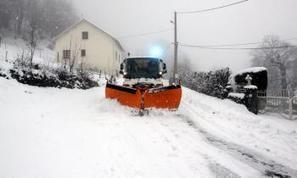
(283, 102)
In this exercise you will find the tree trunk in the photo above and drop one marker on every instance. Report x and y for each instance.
(20, 22)
(283, 72)
(32, 44)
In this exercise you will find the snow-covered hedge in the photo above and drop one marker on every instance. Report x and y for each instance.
(250, 70)
(258, 74)
(211, 83)
(46, 76)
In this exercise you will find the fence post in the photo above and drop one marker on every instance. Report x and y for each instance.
(291, 108)
(6, 54)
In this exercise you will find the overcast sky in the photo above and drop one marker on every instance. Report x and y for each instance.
(247, 22)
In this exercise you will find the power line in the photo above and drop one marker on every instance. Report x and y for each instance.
(221, 48)
(192, 12)
(211, 9)
(145, 34)
(235, 44)
(185, 12)
(226, 45)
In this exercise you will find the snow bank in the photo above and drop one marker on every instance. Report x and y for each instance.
(268, 135)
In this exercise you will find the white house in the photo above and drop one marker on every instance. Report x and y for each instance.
(85, 43)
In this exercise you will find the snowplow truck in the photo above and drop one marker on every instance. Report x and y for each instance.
(143, 86)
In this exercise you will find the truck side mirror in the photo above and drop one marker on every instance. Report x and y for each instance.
(164, 68)
(122, 69)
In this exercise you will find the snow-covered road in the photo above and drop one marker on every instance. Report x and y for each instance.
(47, 132)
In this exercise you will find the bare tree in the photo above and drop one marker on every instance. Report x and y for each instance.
(20, 9)
(74, 58)
(34, 20)
(72, 61)
(275, 55)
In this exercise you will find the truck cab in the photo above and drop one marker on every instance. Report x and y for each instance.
(143, 70)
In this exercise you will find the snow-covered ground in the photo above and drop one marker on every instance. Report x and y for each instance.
(47, 132)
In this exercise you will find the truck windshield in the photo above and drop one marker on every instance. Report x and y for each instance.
(142, 68)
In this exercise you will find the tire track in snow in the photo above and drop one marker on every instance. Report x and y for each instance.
(180, 142)
(268, 167)
(175, 149)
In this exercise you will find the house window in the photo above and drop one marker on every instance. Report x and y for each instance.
(85, 35)
(66, 54)
(83, 53)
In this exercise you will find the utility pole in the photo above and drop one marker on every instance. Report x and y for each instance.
(175, 47)
(175, 31)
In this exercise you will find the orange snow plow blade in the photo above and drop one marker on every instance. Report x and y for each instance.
(163, 98)
(160, 98)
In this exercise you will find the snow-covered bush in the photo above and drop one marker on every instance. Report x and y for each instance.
(4, 69)
(212, 83)
(47, 76)
(3, 74)
(237, 97)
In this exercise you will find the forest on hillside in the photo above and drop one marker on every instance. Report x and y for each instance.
(42, 19)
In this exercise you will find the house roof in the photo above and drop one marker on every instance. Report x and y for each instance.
(92, 24)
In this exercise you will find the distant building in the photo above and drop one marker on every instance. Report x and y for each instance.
(87, 43)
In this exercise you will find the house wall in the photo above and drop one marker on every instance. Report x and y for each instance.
(102, 51)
